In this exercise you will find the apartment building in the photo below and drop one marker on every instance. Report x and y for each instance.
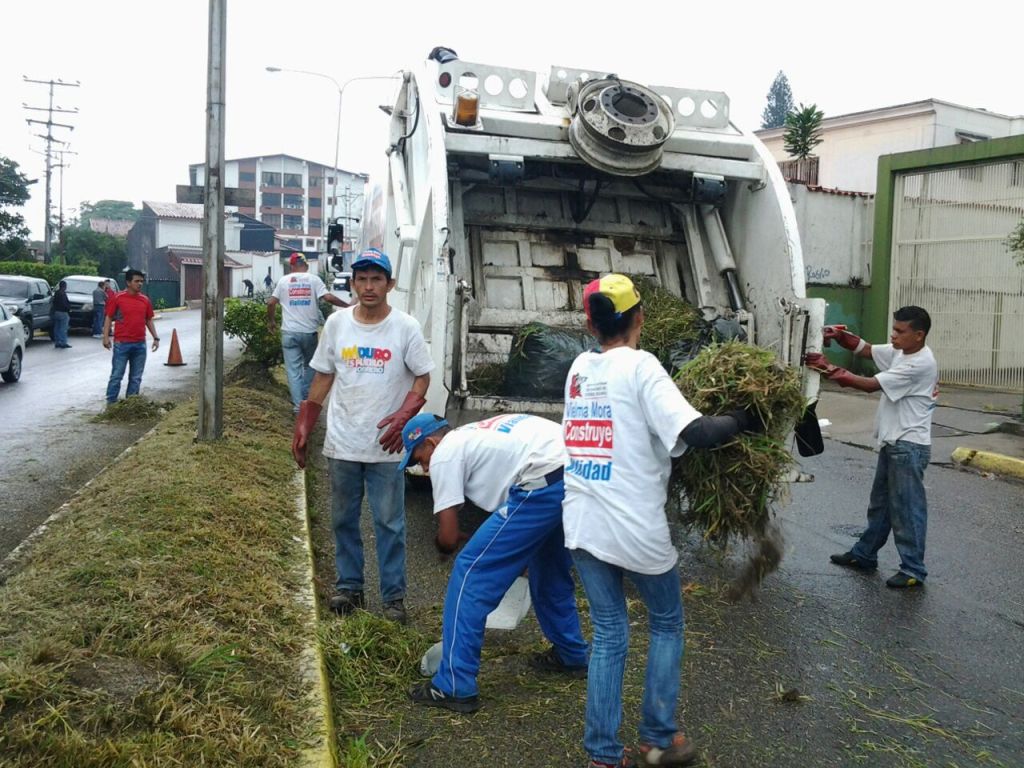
(296, 197)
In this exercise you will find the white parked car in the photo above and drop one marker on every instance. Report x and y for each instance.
(12, 345)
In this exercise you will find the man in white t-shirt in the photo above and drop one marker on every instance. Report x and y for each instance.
(908, 379)
(374, 363)
(299, 294)
(511, 464)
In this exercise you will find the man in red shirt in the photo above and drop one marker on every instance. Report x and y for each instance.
(134, 314)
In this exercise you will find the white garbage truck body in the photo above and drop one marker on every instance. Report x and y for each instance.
(508, 190)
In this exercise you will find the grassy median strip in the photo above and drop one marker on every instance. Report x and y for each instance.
(156, 622)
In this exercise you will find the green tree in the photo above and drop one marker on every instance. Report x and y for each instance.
(13, 193)
(780, 102)
(118, 210)
(79, 245)
(803, 131)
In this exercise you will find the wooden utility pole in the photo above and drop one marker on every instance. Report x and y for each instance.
(211, 368)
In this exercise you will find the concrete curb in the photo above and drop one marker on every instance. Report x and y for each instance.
(989, 462)
(313, 666)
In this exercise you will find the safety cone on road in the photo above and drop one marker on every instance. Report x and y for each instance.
(174, 356)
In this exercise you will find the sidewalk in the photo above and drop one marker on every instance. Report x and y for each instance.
(977, 427)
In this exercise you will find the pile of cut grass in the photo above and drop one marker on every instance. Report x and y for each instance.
(132, 410)
(156, 623)
(668, 320)
(730, 489)
(486, 379)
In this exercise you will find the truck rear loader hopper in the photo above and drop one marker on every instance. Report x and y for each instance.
(509, 190)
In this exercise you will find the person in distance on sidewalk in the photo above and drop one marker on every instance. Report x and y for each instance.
(908, 380)
(512, 464)
(374, 364)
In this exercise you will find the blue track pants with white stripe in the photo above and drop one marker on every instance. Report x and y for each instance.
(524, 533)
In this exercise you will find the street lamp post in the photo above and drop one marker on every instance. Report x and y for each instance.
(337, 137)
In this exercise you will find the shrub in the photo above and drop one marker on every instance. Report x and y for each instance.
(247, 320)
(1015, 242)
(51, 273)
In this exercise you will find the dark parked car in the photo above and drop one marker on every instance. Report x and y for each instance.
(30, 299)
(80, 288)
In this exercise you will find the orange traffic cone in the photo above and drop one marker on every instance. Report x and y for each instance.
(174, 356)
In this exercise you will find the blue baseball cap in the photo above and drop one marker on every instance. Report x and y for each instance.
(372, 257)
(417, 429)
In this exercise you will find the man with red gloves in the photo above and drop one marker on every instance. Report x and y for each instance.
(374, 363)
(908, 380)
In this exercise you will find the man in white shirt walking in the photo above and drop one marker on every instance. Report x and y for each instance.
(299, 294)
(908, 380)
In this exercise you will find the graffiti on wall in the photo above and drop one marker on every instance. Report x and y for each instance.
(815, 274)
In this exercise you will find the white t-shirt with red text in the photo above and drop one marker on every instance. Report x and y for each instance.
(374, 366)
(483, 460)
(623, 415)
(300, 294)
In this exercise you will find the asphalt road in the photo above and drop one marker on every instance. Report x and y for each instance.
(921, 678)
(50, 446)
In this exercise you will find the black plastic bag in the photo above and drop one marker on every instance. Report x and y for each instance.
(540, 360)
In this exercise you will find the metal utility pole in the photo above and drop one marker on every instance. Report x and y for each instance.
(48, 237)
(211, 369)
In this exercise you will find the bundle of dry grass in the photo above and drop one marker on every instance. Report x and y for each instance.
(730, 489)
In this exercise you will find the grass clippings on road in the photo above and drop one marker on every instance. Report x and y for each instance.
(133, 409)
(156, 623)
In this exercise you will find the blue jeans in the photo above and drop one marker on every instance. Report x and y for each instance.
(898, 503)
(385, 488)
(298, 349)
(130, 355)
(61, 320)
(97, 319)
(661, 594)
(526, 532)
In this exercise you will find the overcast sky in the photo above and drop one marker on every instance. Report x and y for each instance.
(142, 69)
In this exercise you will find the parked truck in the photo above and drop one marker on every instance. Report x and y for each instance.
(509, 189)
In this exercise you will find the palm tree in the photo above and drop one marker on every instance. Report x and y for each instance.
(803, 131)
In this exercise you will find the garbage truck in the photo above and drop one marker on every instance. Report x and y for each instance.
(508, 190)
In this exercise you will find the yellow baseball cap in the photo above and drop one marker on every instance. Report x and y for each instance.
(618, 288)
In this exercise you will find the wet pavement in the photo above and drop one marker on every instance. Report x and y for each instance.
(50, 446)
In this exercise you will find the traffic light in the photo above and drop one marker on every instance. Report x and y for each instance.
(335, 238)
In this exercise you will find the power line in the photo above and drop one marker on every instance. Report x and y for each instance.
(50, 110)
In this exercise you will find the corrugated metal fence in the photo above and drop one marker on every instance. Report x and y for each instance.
(950, 256)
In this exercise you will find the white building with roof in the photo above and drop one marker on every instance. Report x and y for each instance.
(166, 243)
(847, 158)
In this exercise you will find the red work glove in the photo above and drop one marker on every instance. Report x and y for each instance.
(817, 362)
(395, 422)
(839, 334)
(309, 412)
(841, 376)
